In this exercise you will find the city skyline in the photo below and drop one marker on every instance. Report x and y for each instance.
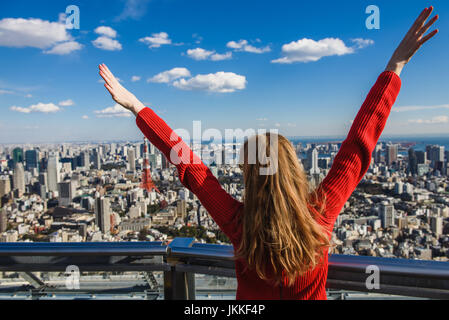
(227, 70)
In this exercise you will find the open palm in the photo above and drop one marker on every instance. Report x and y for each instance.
(118, 93)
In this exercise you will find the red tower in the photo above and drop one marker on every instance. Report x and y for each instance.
(147, 182)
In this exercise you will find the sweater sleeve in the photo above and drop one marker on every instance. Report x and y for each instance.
(192, 172)
(354, 157)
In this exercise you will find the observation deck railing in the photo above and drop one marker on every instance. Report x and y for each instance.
(182, 258)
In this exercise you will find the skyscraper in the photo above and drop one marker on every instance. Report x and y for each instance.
(5, 185)
(53, 172)
(103, 214)
(19, 178)
(312, 160)
(412, 162)
(391, 154)
(17, 155)
(97, 159)
(387, 215)
(3, 220)
(132, 159)
(31, 159)
(66, 192)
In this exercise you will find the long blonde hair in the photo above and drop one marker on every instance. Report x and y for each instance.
(278, 223)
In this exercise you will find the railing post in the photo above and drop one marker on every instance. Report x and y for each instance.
(178, 285)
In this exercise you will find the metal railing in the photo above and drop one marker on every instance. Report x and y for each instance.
(182, 258)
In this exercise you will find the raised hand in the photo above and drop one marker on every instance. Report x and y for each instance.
(412, 41)
(118, 92)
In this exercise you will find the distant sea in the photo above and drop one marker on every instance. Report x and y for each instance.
(418, 143)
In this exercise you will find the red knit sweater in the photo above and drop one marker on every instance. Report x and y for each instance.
(348, 168)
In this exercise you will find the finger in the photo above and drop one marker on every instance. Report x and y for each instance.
(427, 26)
(105, 78)
(428, 37)
(420, 20)
(108, 72)
(108, 87)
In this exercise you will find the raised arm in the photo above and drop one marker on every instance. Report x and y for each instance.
(354, 157)
(192, 173)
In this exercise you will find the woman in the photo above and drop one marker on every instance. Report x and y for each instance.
(281, 232)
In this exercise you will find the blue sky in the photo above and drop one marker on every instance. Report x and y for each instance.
(50, 89)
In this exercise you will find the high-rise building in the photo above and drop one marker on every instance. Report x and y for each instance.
(412, 162)
(181, 210)
(31, 159)
(85, 161)
(421, 157)
(3, 220)
(312, 160)
(391, 154)
(436, 225)
(19, 178)
(132, 159)
(387, 215)
(17, 155)
(103, 214)
(66, 192)
(97, 159)
(5, 185)
(53, 172)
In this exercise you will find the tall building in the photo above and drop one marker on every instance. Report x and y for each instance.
(17, 155)
(421, 157)
(19, 178)
(66, 193)
(31, 159)
(103, 214)
(97, 159)
(412, 162)
(132, 159)
(181, 210)
(391, 154)
(387, 215)
(3, 220)
(53, 172)
(85, 161)
(436, 225)
(312, 160)
(5, 185)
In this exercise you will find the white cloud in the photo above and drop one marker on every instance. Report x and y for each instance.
(6, 91)
(202, 54)
(156, 40)
(307, 50)
(434, 120)
(362, 43)
(66, 103)
(40, 107)
(415, 108)
(170, 75)
(135, 78)
(28, 95)
(134, 9)
(37, 33)
(115, 111)
(65, 48)
(213, 82)
(242, 45)
(106, 43)
(85, 117)
(106, 31)
(261, 119)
